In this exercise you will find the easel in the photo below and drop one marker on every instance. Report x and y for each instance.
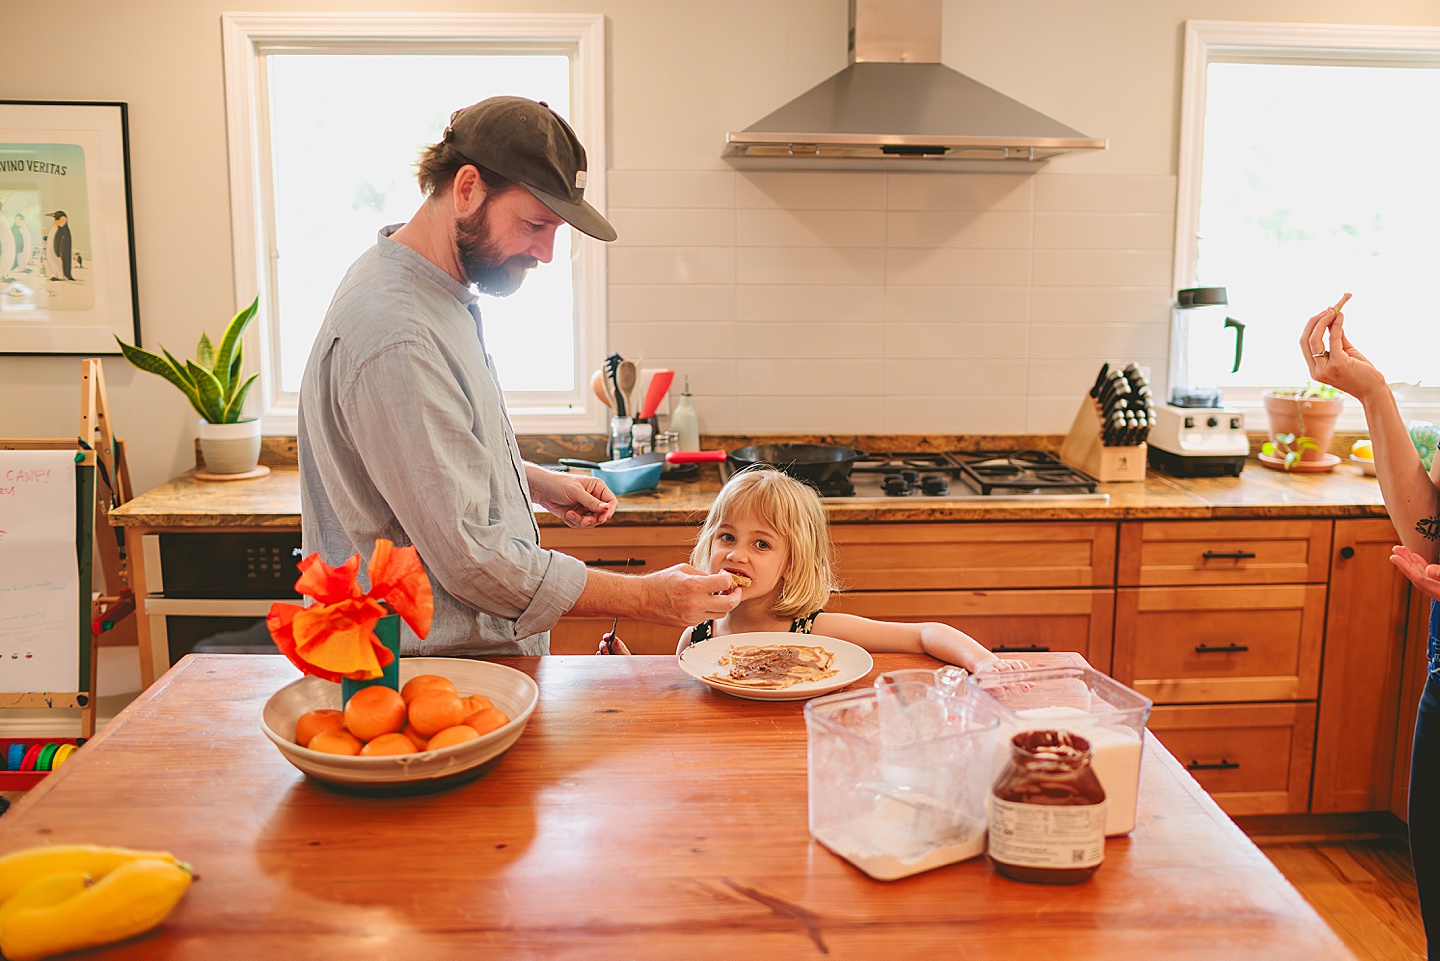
(102, 483)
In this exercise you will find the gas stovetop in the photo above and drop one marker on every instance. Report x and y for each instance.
(1027, 475)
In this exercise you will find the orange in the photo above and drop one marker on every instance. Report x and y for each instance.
(434, 710)
(312, 723)
(415, 737)
(335, 742)
(451, 736)
(389, 744)
(476, 702)
(373, 711)
(425, 682)
(487, 720)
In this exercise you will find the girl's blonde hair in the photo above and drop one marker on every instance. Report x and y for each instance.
(794, 510)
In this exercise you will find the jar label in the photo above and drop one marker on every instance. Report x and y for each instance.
(1047, 836)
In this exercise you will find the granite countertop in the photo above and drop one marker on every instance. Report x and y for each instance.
(273, 501)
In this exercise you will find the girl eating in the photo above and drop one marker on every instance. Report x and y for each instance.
(770, 530)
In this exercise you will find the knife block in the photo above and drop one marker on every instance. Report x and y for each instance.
(1083, 449)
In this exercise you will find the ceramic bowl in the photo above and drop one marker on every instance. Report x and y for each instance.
(1368, 466)
(511, 691)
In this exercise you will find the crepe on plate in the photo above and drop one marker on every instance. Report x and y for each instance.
(775, 666)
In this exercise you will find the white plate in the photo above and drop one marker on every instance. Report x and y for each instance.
(702, 660)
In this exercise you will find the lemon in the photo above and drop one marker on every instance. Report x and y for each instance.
(1362, 450)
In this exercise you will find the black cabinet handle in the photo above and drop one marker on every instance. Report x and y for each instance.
(1016, 648)
(1347, 552)
(1220, 648)
(1229, 555)
(1224, 765)
(612, 562)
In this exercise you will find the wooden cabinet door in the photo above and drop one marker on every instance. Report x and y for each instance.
(1223, 552)
(962, 556)
(1364, 650)
(1251, 758)
(1007, 622)
(1194, 644)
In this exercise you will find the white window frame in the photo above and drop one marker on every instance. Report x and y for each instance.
(1237, 41)
(249, 38)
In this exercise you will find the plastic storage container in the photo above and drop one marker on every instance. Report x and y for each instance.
(1085, 702)
(898, 779)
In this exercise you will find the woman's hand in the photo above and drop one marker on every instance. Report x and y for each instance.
(1424, 576)
(1340, 365)
(579, 500)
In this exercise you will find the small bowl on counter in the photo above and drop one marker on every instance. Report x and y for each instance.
(1366, 465)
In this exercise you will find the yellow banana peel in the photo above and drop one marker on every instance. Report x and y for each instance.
(21, 867)
(53, 914)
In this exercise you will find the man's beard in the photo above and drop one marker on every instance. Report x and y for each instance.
(480, 259)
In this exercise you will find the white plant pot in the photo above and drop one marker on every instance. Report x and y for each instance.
(230, 448)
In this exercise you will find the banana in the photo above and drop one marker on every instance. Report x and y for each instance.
(21, 867)
(129, 900)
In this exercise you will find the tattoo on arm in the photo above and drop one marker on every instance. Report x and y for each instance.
(1429, 528)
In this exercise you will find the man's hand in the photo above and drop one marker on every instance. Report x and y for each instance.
(1340, 365)
(1424, 576)
(683, 595)
(577, 499)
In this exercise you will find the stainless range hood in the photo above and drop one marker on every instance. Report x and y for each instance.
(897, 107)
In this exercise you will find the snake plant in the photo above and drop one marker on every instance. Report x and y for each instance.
(212, 380)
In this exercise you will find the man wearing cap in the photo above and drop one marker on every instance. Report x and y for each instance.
(403, 431)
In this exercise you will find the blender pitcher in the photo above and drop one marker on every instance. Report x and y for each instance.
(1200, 348)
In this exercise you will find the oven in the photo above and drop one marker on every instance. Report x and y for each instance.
(208, 592)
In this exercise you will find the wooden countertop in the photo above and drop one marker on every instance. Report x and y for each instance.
(641, 815)
(273, 501)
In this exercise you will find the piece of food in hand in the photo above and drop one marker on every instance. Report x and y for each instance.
(1340, 304)
(740, 580)
(1363, 450)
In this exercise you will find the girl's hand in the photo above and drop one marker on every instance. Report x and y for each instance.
(612, 646)
(1424, 576)
(1340, 365)
(1002, 664)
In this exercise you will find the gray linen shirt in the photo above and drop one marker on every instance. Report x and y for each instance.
(403, 434)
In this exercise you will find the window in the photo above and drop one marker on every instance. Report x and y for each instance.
(327, 115)
(1305, 171)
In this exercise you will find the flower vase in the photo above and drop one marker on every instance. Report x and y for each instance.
(387, 629)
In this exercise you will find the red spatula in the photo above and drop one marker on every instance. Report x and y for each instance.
(659, 387)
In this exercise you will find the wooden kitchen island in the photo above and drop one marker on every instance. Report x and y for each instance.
(641, 815)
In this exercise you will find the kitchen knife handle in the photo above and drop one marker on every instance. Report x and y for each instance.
(1228, 555)
(1220, 648)
(697, 457)
(613, 562)
(1224, 765)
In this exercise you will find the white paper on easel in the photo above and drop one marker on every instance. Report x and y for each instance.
(39, 573)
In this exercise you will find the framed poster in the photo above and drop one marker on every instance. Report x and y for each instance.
(67, 239)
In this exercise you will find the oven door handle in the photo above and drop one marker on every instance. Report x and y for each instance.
(211, 606)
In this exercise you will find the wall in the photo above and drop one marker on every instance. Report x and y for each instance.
(797, 301)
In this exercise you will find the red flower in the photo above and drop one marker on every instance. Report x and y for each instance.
(335, 637)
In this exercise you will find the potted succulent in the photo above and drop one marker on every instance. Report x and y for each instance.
(1302, 425)
(216, 388)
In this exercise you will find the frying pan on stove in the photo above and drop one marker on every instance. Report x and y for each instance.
(817, 464)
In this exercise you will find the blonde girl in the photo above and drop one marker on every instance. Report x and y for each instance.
(770, 529)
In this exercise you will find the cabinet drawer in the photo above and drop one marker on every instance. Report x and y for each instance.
(1251, 758)
(1224, 552)
(881, 557)
(1014, 622)
(1188, 644)
(647, 549)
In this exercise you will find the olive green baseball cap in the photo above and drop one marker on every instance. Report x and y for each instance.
(527, 142)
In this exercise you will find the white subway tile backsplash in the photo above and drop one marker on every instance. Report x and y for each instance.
(1101, 268)
(819, 414)
(1102, 341)
(948, 414)
(1105, 230)
(863, 266)
(957, 339)
(956, 265)
(957, 377)
(1109, 194)
(960, 191)
(638, 303)
(1093, 305)
(810, 302)
(809, 228)
(809, 341)
(673, 227)
(671, 189)
(1051, 415)
(957, 228)
(936, 304)
(678, 340)
(672, 265)
(789, 377)
(798, 190)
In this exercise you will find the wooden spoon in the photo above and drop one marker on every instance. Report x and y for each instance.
(600, 386)
(625, 375)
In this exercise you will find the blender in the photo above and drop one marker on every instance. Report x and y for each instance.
(1196, 435)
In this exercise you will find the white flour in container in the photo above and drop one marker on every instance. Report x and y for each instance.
(1115, 755)
(884, 844)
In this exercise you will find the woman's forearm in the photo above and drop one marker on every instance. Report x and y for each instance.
(1410, 495)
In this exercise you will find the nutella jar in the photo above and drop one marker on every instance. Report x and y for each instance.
(1047, 811)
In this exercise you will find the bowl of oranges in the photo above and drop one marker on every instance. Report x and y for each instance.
(450, 718)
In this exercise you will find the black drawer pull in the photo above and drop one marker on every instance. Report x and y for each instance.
(1220, 649)
(1016, 649)
(1224, 765)
(1228, 555)
(611, 562)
